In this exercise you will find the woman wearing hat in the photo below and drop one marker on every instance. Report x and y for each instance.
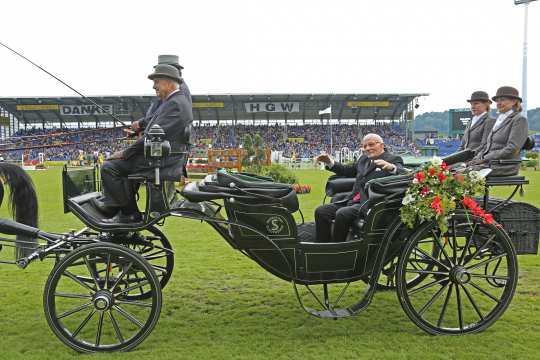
(508, 135)
(477, 130)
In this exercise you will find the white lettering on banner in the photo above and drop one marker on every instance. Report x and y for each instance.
(287, 107)
(80, 110)
(465, 120)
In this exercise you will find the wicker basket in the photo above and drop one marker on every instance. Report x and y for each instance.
(521, 221)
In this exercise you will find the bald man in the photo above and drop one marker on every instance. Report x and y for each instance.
(374, 163)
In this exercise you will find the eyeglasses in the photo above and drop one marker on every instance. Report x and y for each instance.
(370, 144)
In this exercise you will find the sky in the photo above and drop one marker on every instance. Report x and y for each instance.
(445, 48)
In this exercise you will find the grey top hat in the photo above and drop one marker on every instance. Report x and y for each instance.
(166, 71)
(170, 60)
(507, 92)
(479, 96)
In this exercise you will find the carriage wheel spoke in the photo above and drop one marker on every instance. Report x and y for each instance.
(454, 242)
(92, 272)
(432, 300)
(433, 259)
(74, 310)
(494, 277)
(83, 324)
(427, 286)
(122, 274)
(467, 244)
(128, 316)
(485, 262)
(445, 305)
(479, 250)
(136, 303)
(99, 328)
(156, 255)
(484, 292)
(459, 308)
(472, 302)
(116, 327)
(438, 243)
(137, 286)
(107, 271)
(427, 272)
(72, 296)
(78, 281)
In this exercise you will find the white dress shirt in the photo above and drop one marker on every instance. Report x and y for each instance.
(476, 118)
(501, 118)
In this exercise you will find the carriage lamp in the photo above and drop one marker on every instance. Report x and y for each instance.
(156, 148)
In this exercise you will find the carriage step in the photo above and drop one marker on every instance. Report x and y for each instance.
(331, 314)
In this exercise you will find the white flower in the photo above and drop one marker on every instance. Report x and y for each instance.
(415, 181)
(408, 199)
(436, 160)
(475, 176)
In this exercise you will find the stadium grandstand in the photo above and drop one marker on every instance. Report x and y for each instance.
(70, 128)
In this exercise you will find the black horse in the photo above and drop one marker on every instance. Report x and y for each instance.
(23, 203)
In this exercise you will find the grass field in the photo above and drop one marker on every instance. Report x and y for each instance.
(220, 305)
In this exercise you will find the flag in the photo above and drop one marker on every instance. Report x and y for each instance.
(328, 110)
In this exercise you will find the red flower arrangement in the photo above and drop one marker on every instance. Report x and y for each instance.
(435, 193)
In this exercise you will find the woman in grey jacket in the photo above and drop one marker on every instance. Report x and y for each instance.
(477, 130)
(507, 136)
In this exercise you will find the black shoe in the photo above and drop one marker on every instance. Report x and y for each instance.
(102, 208)
(121, 218)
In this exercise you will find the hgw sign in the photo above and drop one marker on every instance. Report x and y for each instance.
(287, 107)
(80, 110)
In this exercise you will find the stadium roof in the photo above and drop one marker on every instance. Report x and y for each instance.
(214, 107)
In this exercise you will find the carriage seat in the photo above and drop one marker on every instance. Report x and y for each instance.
(202, 191)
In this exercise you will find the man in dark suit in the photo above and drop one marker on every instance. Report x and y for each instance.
(374, 163)
(477, 130)
(174, 116)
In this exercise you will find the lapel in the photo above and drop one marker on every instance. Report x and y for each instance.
(157, 112)
(479, 122)
(506, 122)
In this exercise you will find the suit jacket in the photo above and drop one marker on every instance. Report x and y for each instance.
(364, 170)
(174, 116)
(506, 143)
(154, 105)
(475, 137)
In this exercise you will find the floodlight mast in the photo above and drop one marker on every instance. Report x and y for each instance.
(524, 68)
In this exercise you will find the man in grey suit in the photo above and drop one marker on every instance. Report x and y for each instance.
(508, 135)
(174, 116)
(477, 130)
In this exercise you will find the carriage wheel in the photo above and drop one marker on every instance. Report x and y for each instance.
(387, 279)
(470, 283)
(154, 246)
(100, 316)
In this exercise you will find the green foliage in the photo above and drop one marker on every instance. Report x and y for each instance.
(255, 154)
(531, 155)
(278, 173)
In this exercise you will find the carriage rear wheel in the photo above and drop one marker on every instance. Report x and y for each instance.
(99, 316)
(154, 246)
(467, 285)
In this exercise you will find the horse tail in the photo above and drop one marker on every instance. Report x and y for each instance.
(23, 204)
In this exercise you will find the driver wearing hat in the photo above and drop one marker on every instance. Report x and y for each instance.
(174, 116)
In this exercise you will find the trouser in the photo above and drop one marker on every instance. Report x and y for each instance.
(343, 214)
(118, 191)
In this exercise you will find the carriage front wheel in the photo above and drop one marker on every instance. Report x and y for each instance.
(465, 286)
(87, 298)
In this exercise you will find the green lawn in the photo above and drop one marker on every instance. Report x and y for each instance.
(221, 305)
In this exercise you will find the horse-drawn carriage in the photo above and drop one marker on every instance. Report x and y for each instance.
(104, 293)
